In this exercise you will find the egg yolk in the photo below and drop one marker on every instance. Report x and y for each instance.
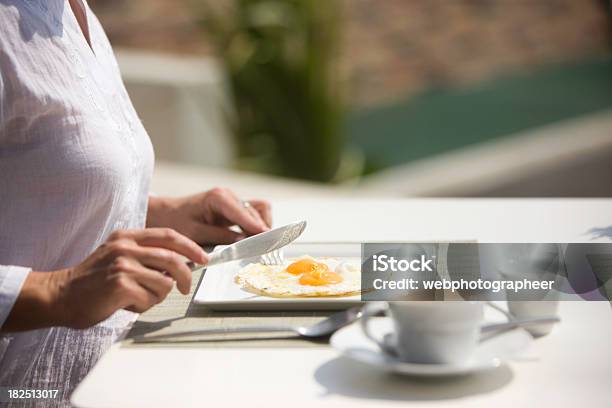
(320, 278)
(313, 273)
(306, 265)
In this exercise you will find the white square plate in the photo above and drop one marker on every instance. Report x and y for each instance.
(219, 291)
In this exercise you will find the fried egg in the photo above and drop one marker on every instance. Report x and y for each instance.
(302, 277)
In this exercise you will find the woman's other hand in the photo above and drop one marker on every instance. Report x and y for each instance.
(133, 270)
(206, 217)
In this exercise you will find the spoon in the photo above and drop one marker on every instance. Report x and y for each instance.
(321, 329)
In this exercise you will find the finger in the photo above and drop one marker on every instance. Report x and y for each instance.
(247, 205)
(264, 209)
(164, 260)
(231, 208)
(255, 214)
(172, 240)
(157, 283)
(139, 299)
(211, 234)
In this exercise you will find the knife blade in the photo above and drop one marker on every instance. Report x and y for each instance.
(256, 245)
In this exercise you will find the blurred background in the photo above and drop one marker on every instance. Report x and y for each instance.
(506, 98)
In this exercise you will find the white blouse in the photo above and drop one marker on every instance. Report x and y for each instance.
(75, 164)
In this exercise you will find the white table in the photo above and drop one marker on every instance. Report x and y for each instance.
(574, 365)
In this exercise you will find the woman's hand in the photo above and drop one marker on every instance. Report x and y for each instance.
(133, 270)
(206, 217)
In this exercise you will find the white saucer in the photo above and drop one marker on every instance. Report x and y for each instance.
(351, 342)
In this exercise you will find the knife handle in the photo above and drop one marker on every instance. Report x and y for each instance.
(216, 258)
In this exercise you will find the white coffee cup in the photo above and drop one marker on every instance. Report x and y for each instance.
(428, 332)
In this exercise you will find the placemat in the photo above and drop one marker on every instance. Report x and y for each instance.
(177, 313)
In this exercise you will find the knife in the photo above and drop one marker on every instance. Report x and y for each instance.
(255, 245)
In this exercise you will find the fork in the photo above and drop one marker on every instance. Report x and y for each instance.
(275, 257)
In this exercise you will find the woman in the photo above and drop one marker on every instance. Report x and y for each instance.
(75, 163)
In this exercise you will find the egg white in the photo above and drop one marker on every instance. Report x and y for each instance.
(275, 281)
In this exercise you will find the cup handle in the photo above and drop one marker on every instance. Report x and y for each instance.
(373, 309)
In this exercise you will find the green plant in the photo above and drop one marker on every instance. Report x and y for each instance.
(281, 60)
